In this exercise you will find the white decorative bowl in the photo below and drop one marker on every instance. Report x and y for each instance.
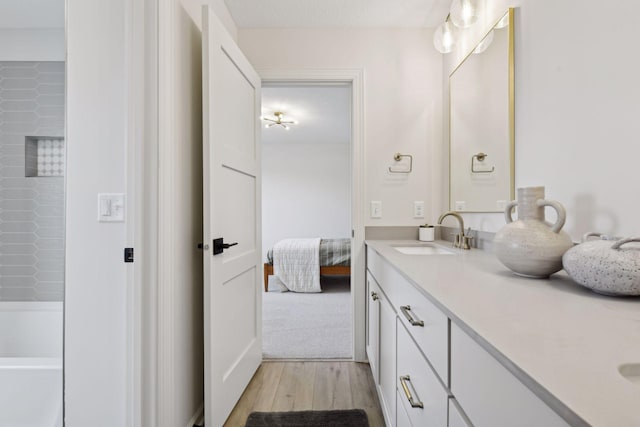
(605, 266)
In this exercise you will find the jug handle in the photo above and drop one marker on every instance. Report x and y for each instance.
(619, 243)
(507, 210)
(562, 214)
(586, 236)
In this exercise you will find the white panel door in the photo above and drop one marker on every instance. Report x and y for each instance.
(232, 297)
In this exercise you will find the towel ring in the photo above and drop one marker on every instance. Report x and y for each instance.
(397, 157)
(480, 157)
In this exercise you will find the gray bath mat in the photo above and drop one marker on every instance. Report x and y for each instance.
(335, 418)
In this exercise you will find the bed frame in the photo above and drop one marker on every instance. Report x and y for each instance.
(335, 270)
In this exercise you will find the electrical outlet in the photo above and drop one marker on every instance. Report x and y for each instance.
(418, 209)
(376, 209)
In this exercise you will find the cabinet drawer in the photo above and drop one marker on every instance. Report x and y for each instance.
(374, 264)
(387, 358)
(402, 418)
(422, 385)
(432, 337)
(427, 325)
(488, 393)
(456, 419)
(373, 325)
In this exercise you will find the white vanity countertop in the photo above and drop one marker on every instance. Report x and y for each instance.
(563, 341)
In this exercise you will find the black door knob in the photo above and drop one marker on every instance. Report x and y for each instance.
(219, 246)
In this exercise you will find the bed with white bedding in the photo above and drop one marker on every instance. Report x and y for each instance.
(333, 258)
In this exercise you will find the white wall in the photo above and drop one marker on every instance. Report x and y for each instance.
(101, 135)
(306, 191)
(403, 103)
(576, 107)
(98, 376)
(95, 299)
(31, 44)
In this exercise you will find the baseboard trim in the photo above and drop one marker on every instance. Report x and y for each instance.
(198, 417)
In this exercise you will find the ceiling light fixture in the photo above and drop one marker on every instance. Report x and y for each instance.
(277, 121)
(444, 37)
(463, 13)
(485, 43)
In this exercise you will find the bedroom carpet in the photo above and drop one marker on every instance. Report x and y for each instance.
(308, 326)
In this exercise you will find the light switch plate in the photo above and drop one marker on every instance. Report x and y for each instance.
(418, 209)
(110, 207)
(376, 209)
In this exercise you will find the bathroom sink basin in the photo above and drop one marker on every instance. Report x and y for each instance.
(631, 372)
(423, 250)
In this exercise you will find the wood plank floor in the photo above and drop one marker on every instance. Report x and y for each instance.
(309, 385)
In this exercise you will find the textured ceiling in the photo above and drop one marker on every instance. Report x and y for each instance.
(338, 13)
(31, 13)
(323, 113)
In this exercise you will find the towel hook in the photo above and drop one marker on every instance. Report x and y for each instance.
(480, 157)
(397, 157)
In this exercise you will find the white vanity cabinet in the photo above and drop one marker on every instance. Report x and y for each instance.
(390, 347)
(381, 346)
(373, 325)
(420, 392)
(489, 394)
(402, 418)
(429, 372)
(428, 326)
(456, 419)
(425, 322)
(387, 361)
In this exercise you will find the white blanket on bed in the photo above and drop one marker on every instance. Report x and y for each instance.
(296, 262)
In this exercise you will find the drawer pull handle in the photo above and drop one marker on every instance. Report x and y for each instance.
(414, 404)
(405, 310)
(374, 296)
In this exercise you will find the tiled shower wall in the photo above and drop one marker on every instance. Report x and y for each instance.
(31, 208)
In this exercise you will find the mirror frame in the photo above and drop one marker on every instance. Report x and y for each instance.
(511, 82)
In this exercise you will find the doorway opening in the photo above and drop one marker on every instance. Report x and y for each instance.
(307, 219)
(32, 212)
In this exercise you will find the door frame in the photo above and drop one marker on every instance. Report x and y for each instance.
(150, 335)
(358, 284)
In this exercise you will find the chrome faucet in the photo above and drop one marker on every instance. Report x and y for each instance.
(461, 240)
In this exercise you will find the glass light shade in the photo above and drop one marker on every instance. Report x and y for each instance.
(463, 13)
(485, 43)
(503, 22)
(444, 38)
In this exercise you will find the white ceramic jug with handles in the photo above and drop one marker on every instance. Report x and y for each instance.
(530, 246)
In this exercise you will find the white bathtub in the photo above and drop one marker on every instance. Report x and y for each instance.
(30, 364)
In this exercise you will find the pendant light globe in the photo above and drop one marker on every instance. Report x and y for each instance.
(444, 38)
(485, 43)
(464, 13)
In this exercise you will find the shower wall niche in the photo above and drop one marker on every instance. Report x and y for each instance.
(32, 163)
(44, 156)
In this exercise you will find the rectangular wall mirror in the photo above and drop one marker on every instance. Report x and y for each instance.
(481, 127)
